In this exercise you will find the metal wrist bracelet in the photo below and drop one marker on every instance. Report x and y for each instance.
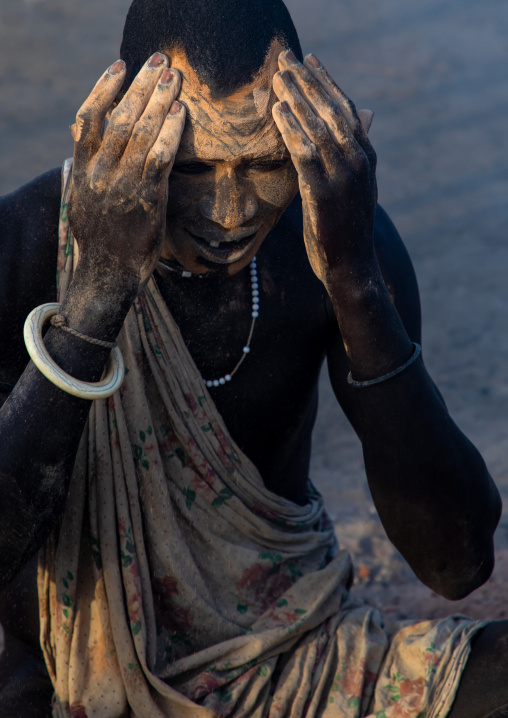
(417, 350)
(40, 356)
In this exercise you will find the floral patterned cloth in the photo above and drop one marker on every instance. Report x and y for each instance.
(178, 585)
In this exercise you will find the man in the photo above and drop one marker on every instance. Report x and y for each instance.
(187, 567)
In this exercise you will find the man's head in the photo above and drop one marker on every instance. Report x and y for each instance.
(232, 177)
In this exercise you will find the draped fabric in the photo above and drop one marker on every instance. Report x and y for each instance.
(177, 584)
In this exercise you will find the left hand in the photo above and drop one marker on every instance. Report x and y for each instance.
(336, 166)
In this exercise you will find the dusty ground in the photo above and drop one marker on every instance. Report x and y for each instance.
(436, 76)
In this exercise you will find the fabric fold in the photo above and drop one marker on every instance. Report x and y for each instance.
(177, 584)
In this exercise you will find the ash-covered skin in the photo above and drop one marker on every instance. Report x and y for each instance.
(334, 158)
(232, 177)
(233, 174)
(118, 200)
(425, 477)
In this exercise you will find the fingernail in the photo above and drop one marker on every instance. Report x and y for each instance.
(116, 68)
(286, 77)
(156, 60)
(314, 61)
(175, 107)
(166, 77)
(284, 108)
(291, 56)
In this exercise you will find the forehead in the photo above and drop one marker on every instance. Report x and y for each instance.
(238, 126)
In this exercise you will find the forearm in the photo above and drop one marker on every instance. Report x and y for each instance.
(374, 337)
(41, 425)
(117, 213)
(433, 493)
(423, 472)
(432, 490)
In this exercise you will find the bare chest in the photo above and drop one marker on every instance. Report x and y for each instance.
(270, 403)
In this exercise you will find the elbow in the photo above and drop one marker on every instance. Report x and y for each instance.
(454, 580)
(466, 559)
(466, 585)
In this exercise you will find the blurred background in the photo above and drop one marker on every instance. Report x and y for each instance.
(436, 76)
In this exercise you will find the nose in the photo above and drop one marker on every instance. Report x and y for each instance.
(231, 203)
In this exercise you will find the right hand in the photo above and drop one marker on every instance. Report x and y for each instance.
(117, 208)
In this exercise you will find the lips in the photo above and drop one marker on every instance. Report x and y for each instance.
(227, 252)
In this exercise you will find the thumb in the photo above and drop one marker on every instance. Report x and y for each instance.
(366, 117)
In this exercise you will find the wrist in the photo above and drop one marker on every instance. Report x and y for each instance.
(374, 336)
(96, 304)
(355, 285)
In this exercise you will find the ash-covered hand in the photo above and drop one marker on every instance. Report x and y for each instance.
(117, 209)
(335, 162)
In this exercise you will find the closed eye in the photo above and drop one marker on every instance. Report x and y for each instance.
(192, 168)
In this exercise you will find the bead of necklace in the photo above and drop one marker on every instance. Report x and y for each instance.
(254, 314)
(176, 269)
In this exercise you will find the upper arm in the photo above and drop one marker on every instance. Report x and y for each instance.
(28, 251)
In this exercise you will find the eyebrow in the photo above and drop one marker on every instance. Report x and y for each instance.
(274, 157)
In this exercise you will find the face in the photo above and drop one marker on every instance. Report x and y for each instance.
(232, 178)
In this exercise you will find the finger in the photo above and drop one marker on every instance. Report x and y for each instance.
(299, 81)
(366, 117)
(317, 130)
(89, 126)
(147, 128)
(346, 105)
(303, 151)
(129, 110)
(162, 154)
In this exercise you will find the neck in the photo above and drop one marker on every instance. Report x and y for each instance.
(167, 265)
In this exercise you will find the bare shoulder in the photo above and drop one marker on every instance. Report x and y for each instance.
(398, 272)
(28, 246)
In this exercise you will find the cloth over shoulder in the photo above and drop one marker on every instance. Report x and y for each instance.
(177, 584)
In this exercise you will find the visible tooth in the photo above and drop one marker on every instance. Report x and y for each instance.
(214, 243)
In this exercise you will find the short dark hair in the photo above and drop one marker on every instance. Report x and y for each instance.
(225, 41)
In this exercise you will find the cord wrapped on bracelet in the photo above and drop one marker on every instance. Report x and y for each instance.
(60, 322)
(417, 350)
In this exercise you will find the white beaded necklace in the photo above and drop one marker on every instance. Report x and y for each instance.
(254, 314)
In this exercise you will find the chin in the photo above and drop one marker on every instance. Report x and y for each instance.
(199, 258)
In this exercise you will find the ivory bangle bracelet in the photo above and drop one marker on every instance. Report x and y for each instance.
(40, 356)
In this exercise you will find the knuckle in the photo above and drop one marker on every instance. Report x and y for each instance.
(372, 156)
(156, 158)
(360, 164)
(84, 116)
(87, 109)
(136, 90)
(308, 152)
(99, 179)
(160, 161)
(119, 129)
(149, 193)
(139, 131)
(163, 149)
(119, 114)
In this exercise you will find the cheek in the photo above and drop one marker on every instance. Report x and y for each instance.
(184, 195)
(277, 189)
